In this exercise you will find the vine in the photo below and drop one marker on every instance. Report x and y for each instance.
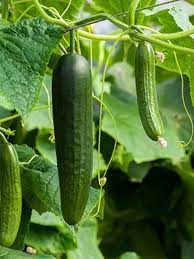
(102, 180)
(119, 24)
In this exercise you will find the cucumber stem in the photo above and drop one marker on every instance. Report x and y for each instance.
(2, 138)
(72, 41)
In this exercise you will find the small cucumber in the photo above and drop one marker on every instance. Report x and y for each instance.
(10, 194)
(72, 116)
(146, 93)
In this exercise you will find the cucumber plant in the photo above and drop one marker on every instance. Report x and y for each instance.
(72, 111)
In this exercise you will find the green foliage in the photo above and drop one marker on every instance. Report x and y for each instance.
(87, 242)
(41, 185)
(22, 70)
(60, 6)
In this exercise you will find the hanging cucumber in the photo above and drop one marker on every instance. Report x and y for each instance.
(146, 93)
(10, 193)
(72, 116)
(24, 227)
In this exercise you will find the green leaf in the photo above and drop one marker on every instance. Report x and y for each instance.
(12, 254)
(45, 146)
(65, 236)
(92, 203)
(123, 82)
(131, 133)
(190, 1)
(40, 118)
(122, 159)
(4, 112)
(25, 50)
(48, 240)
(113, 6)
(181, 18)
(87, 242)
(5, 104)
(172, 21)
(186, 8)
(49, 219)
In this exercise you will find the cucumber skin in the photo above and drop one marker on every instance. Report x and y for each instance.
(10, 194)
(24, 227)
(146, 91)
(73, 117)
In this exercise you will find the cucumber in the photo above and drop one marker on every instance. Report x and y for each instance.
(73, 117)
(10, 194)
(24, 227)
(146, 93)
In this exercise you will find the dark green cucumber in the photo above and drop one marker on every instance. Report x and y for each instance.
(72, 116)
(146, 92)
(24, 227)
(10, 194)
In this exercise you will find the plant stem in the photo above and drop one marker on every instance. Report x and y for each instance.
(174, 36)
(72, 41)
(12, 117)
(161, 43)
(102, 37)
(95, 18)
(2, 138)
(9, 118)
(132, 11)
(47, 17)
(5, 11)
(116, 22)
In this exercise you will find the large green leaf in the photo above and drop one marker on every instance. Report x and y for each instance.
(132, 135)
(25, 48)
(49, 219)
